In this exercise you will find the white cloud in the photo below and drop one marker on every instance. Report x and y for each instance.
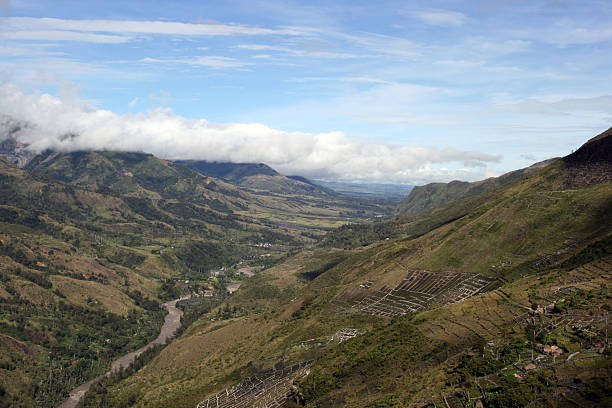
(263, 47)
(161, 132)
(381, 43)
(299, 52)
(133, 102)
(341, 79)
(57, 35)
(441, 18)
(566, 32)
(210, 61)
(87, 30)
(25, 51)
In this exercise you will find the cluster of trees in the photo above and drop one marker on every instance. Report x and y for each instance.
(79, 342)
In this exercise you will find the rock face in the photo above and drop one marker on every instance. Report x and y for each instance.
(15, 152)
(11, 148)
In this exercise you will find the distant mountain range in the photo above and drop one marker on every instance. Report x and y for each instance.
(371, 190)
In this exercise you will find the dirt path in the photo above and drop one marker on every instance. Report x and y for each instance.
(172, 322)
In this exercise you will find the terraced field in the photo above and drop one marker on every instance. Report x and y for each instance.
(272, 387)
(419, 290)
(267, 389)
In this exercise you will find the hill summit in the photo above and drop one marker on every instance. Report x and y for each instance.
(592, 163)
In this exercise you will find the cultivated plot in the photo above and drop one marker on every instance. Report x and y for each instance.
(419, 290)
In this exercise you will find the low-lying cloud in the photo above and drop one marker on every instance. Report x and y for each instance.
(70, 124)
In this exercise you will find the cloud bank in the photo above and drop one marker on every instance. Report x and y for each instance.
(70, 124)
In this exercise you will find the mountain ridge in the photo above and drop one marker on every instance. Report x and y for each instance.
(257, 177)
(431, 195)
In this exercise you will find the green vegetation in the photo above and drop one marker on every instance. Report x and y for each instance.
(433, 195)
(539, 336)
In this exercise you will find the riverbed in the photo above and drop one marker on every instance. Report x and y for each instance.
(172, 322)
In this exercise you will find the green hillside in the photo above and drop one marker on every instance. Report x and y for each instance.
(258, 193)
(498, 300)
(432, 195)
(233, 172)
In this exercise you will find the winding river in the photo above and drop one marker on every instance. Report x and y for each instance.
(172, 322)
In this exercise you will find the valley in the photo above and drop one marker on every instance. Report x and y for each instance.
(305, 204)
(172, 322)
(497, 297)
(92, 245)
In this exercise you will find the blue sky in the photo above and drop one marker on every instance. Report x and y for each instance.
(390, 91)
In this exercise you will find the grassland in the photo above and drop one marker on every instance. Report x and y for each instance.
(547, 243)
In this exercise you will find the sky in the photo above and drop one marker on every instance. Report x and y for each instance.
(375, 91)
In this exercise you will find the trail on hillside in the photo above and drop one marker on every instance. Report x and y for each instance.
(172, 322)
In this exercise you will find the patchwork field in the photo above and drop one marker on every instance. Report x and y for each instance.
(419, 290)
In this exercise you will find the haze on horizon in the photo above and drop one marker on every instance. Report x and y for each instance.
(385, 92)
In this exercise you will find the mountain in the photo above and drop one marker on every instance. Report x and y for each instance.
(498, 299)
(373, 190)
(233, 172)
(257, 178)
(135, 174)
(432, 195)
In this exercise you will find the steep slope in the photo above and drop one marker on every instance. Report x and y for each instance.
(71, 296)
(592, 163)
(548, 248)
(422, 198)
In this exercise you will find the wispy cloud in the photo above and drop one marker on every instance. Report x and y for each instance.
(299, 52)
(210, 61)
(381, 43)
(341, 79)
(57, 35)
(566, 32)
(443, 18)
(20, 26)
(27, 51)
(563, 107)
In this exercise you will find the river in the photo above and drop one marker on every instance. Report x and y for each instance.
(172, 322)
